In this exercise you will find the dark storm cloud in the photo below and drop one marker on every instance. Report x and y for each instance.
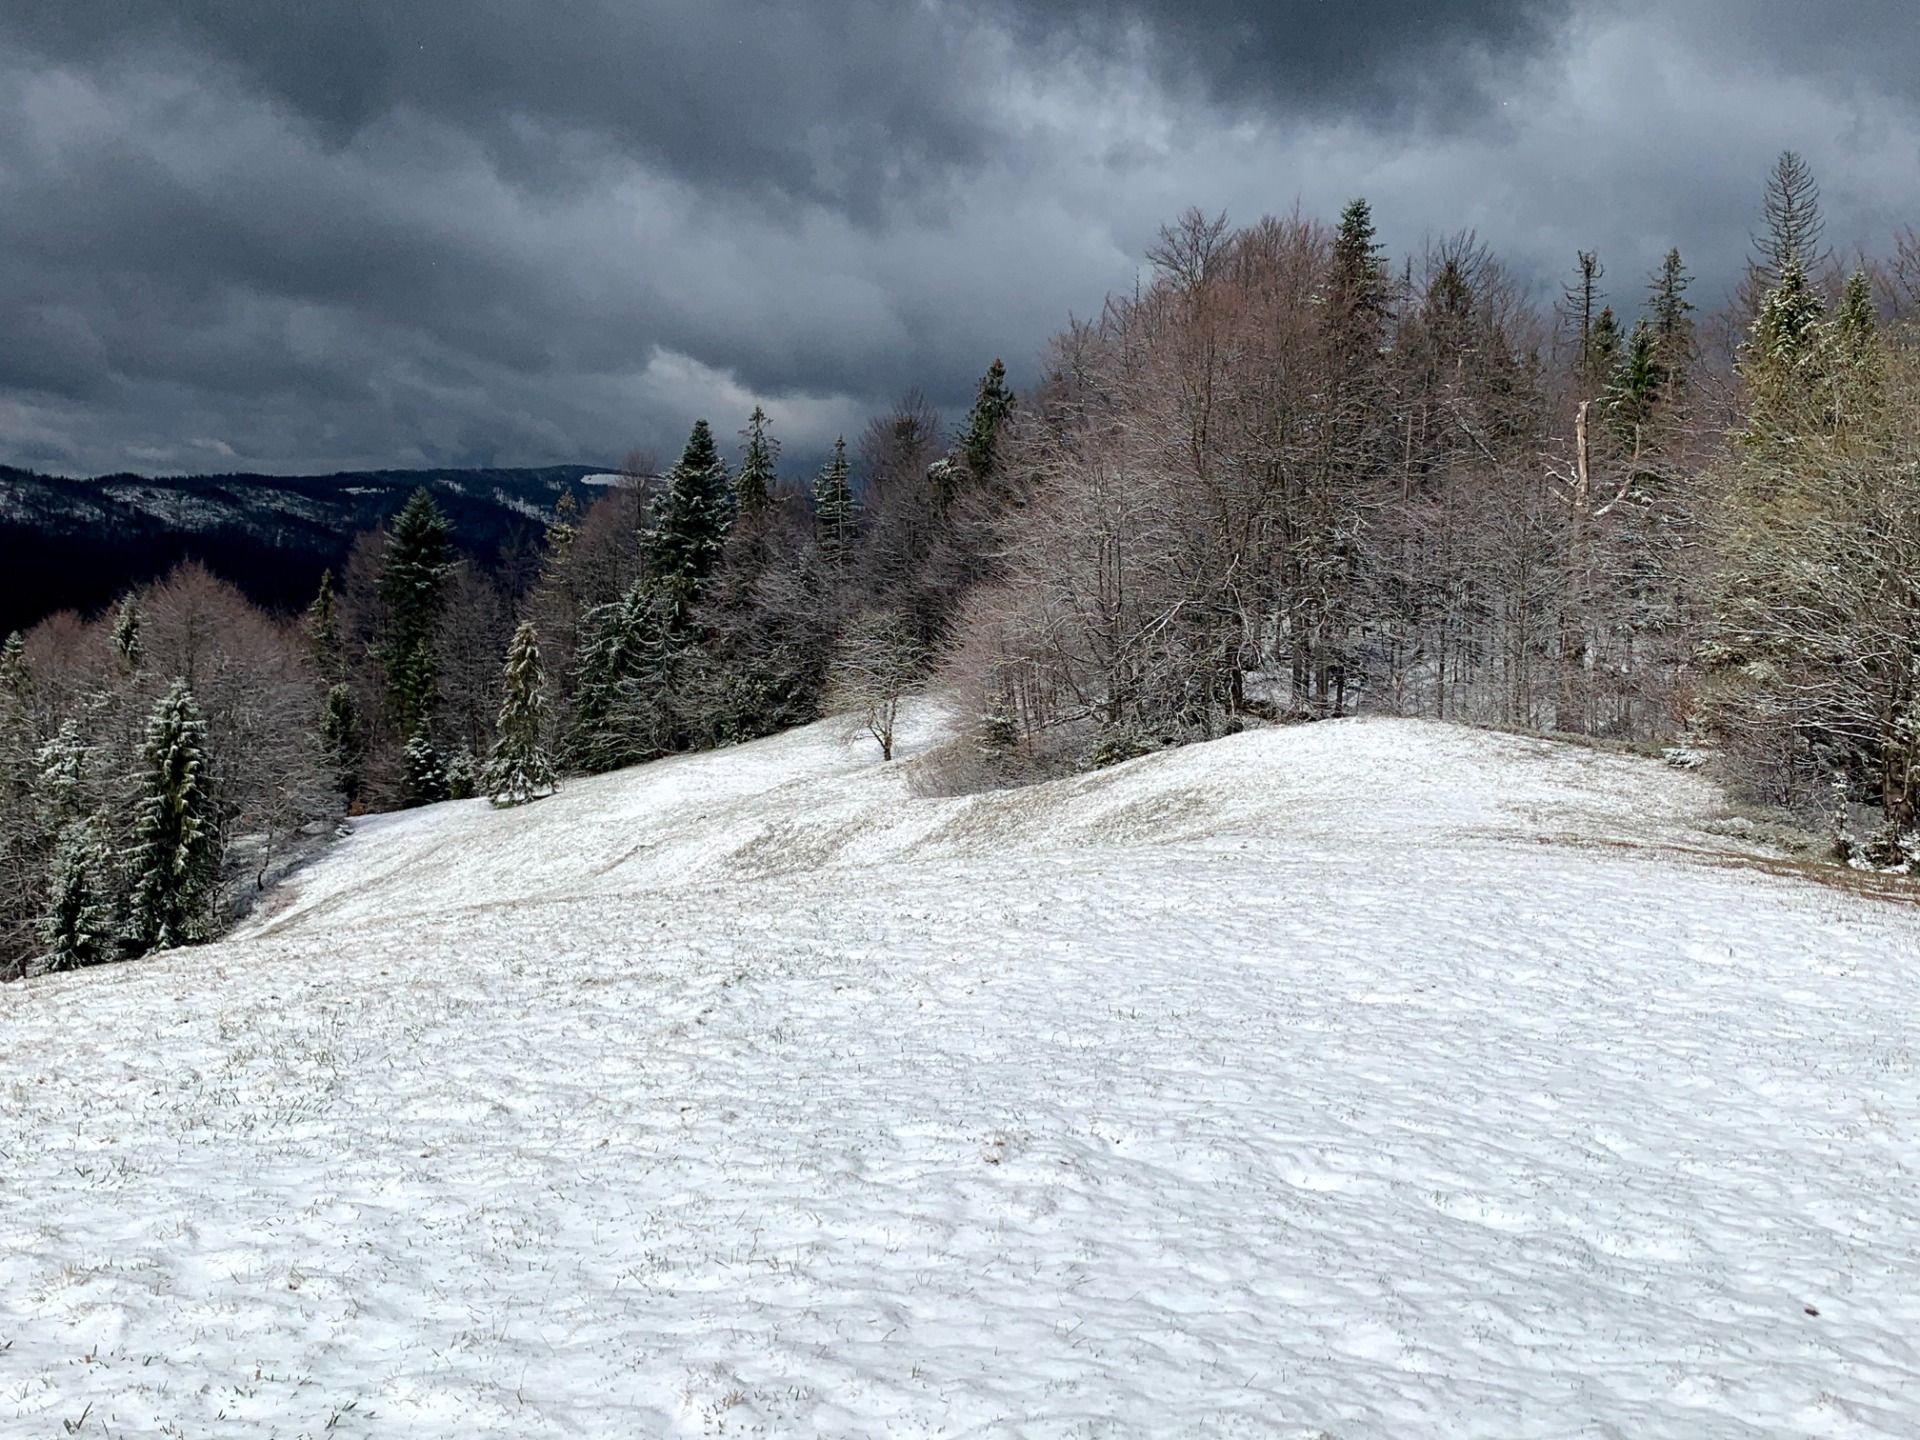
(285, 236)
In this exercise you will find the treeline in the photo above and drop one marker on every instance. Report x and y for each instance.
(1291, 478)
(1287, 478)
(167, 760)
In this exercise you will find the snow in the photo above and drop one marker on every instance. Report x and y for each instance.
(1363, 1079)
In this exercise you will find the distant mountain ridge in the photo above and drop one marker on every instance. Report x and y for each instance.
(76, 544)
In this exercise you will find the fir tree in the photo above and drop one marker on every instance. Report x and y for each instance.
(423, 777)
(175, 863)
(323, 630)
(833, 502)
(753, 483)
(980, 444)
(690, 521)
(519, 769)
(128, 648)
(77, 926)
(340, 737)
(413, 583)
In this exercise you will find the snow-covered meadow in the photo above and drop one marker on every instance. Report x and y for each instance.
(1364, 1079)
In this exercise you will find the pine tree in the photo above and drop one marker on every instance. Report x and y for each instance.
(175, 862)
(980, 444)
(519, 769)
(833, 503)
(753, 483)
(340, 737)
(463, 776)
(690, 521)
(128, 648)
(77, 925)
(413, 583)
(323, 630)
(423, 778)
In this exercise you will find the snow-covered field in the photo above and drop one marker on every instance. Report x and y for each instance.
(1366, 1079)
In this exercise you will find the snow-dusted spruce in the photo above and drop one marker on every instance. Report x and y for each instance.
(753, 483)
(413, 583)
(128, 648)
(621, 703)
(423, 776)
(77, 928)
(691, 518)
(833, 507)
(519, 769)
(175, 864)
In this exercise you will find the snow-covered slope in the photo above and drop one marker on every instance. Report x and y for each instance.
(1364, 1079)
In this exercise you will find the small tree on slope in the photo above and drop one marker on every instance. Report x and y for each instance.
(77, 927)
(423, 775)
(520, 767)
(176, 856)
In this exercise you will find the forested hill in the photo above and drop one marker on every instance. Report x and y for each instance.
(76, 544)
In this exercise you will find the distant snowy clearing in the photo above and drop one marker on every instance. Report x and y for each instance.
(1373, 1078)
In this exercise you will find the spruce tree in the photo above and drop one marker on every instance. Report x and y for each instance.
(1638, 385)
(175, 862)
(413, 582)
(77, 927)
(323, 630)
(341, 738)
(519, 769)
(690, 521)
(623, 709)
(423, 777)
(16, 676)
(64, 764)
(128, 648)
(833, 503)
(1782, 360)
(1853, 360)
(1672, 325)
(1603, 347)
(980, 444)
(1795, 227)
(753, 483)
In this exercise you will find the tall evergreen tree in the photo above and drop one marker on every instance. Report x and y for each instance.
(341, 738)
(16, 675)
(77, 927)
(623, 710)
(1603, 348)
(690, 521)
(980, 444)
(833, 502)
(1854, 362)
(1795, 227)
(1672, 312)
(323, 630)
(64, 764)
(1639, 384)
(520, 767)
(753, 483)
(413, 584)
(1782, 360)
(175, 863)
(128, 648)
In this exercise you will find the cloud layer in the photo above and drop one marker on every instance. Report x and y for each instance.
(250, 234)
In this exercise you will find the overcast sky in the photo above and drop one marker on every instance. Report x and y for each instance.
(247, 234)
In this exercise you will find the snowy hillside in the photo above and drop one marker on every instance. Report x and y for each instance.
(1362, 1079)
